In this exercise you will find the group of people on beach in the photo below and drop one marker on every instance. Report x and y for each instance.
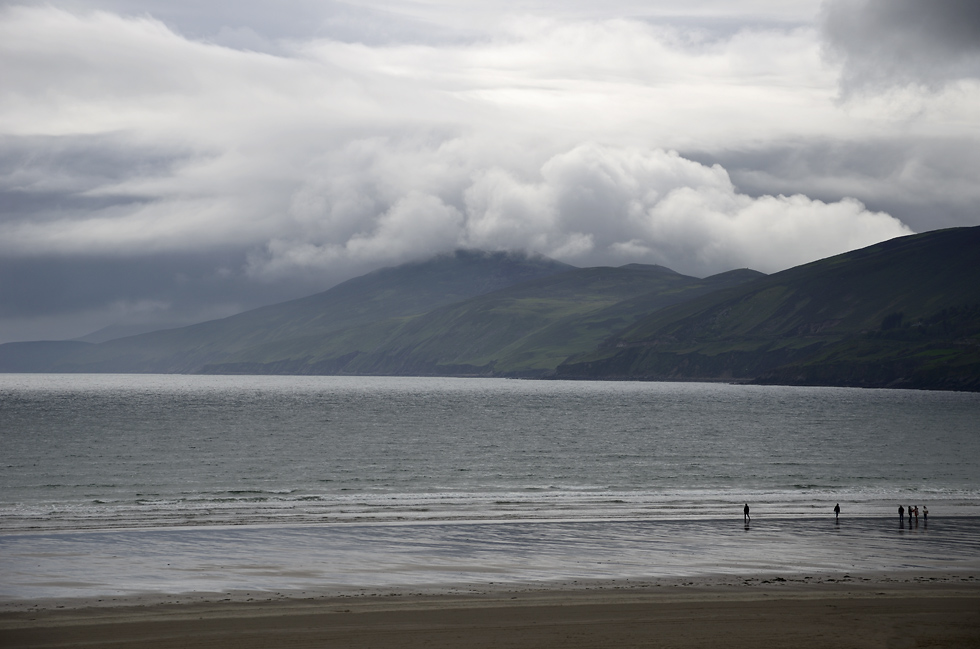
(913, 511)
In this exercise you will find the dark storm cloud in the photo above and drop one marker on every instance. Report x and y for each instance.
(884, 43)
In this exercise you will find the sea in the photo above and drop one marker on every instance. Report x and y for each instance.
(114, 485)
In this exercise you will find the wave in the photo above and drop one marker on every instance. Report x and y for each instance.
(256, 507)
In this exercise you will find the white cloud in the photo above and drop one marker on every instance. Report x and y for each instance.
(520, 124)
(604, 205)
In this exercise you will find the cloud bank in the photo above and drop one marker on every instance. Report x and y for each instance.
(591, 205)
(182, 170)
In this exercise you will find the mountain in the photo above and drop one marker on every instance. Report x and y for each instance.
(404, 290)
(526, 329)
(903, 313)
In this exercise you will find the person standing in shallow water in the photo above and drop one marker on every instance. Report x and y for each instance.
(901, 514)
(745, 514)
(836, 511)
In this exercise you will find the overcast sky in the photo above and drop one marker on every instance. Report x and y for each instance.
(173, 160)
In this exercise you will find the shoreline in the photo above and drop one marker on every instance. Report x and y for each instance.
(733, 517)
(243, 563)
(777, 584)
(895, 609)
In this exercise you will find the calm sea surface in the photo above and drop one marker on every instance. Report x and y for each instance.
(207, 486)
(123, 451)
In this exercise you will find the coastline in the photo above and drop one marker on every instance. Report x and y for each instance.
(694, 587)
(243, 563)
(886, 609)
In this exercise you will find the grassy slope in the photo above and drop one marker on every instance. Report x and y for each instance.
(523, 330)
(482, 332)
(941, 351)
(792, 316)
(550, 345)
(391, 292)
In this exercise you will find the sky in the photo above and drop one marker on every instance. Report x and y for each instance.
(167, 161)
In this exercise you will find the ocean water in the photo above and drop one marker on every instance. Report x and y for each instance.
(113, 451)
(425, 480)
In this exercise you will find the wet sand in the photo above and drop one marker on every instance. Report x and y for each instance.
(904, 610)
(458, 558)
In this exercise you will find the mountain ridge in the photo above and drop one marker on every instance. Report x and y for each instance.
(773, 329)
(409, 288)
(901, 313)
(483, 336)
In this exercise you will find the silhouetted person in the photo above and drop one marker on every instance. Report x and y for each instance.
(901, 514)
(836, 511)
(925, 515)
(745, 514)
(916, 511)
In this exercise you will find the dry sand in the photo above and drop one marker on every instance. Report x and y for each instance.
(887, 612)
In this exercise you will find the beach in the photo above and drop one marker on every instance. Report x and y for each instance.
(776, 583)
(873, 610)
(455, 558)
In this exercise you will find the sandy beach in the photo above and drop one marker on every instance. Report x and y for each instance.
(905, 610)
(866, 583)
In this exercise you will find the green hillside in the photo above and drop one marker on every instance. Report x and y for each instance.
(903, 313)
(829, 322)
(523, 330)
(404, 290)
(939, 352)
